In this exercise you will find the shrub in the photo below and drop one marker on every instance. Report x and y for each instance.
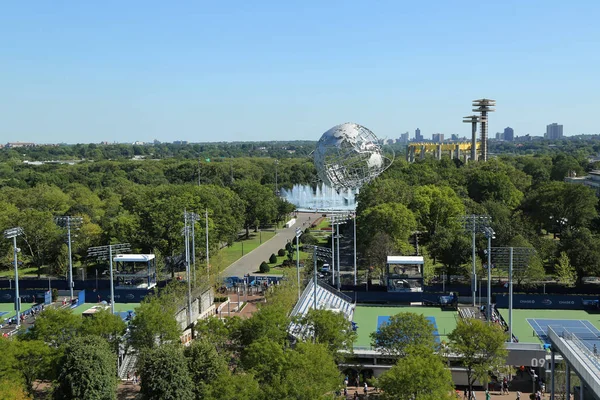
(273, 259)
(54, 294)
(309, 239)
(286, 263)
(281, 252)
(264, 268)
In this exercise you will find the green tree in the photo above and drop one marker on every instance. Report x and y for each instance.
(235, 386)
(269, 321)
(331, 329)
(164, 374)
(392, 218)
(154, 324)
(34, 360)
(480, 346)
(310, 373)
(558, 206)
(205, 365)
(436, 207)
(583, 249)
(534, 271)
(260, 201)
(484, 185)
(421, 375)
(106, 325)
(12, 390)
(401, 331)
(565, 273)
(88, 370)
(55, 326)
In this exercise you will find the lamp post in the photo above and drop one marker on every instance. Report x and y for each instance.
(513, 258)
(276, 189)
(355, 265)
(474, 224)
(207, 249)
(69, 222)
(298, 234)
(12, 233)
(489, 234)
(101, 253)
(319, 253)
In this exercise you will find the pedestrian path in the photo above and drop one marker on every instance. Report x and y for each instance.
(250, 262)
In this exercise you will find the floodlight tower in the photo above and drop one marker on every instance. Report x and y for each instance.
(12, 234)
(69, 222)
(104, 252)
(473, 120)
(484, 106)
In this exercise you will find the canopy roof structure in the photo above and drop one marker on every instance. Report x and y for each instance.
(133, 257)
(405, 260)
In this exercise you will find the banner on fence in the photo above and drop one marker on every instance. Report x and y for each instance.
(549, 302)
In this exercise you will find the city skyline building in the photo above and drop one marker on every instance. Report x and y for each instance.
(509, 134)
(554, 131)
(437, 137)
(418, 136)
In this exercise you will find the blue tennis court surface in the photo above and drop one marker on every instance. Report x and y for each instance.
(125, 314)
(384, 319)
(580, 328)
(3, 313)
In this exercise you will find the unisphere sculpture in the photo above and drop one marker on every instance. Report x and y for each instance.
(348, 156)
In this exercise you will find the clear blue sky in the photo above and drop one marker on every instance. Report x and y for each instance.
(84, 71)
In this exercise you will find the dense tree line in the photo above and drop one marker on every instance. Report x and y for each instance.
(141, 203)
(124, 151)
(526, 197)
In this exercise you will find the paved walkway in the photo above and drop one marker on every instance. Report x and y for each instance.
(250, 262)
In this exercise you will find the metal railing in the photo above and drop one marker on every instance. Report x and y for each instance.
(583, 350)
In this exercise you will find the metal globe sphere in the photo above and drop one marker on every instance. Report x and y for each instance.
(348, 156)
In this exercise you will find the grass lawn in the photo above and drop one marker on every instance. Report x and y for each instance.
(524, 332)
(231, 254)
(9, 308)
(32, 271)
(366, 318)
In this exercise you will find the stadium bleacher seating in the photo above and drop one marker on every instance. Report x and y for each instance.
(328, 298)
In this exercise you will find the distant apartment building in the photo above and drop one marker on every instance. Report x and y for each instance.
(418, 136)
(554, 131)
(499, 135)
(509, 134)
(437, 137)
(454, 136)
(15, 145)
(404, 137)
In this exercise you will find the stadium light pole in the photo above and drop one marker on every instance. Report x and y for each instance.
(339, 277)
(101, 252)
(68, 222)
(298, 234)
(513, 258)
(474, 224)
(489, 234)
(12, 233)
(186, 234)
(207, 251)
(355, 265)
(332, 267)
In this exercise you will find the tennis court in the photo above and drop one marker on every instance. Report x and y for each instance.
(370, 318)
(526, 333)
(587, 333)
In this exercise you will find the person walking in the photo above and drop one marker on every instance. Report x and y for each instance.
(466, 394)
(518, 395)
(487, 394)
